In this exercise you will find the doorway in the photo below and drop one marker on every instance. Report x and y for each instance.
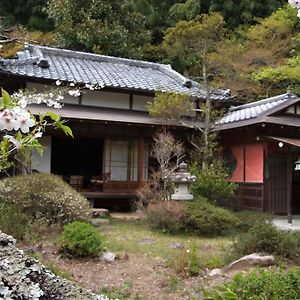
(80, 156)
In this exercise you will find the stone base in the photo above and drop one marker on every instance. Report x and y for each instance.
(182, 197)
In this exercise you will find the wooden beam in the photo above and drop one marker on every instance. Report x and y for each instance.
(141, 161)
(289, 185)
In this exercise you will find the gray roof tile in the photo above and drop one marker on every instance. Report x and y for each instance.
(106, 71)
(254, 109)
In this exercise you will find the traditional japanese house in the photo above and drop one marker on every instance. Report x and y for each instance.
(261, 145)
(109, 156)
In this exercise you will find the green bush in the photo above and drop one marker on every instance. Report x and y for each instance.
(264, 237)
(196, 217)
(267, 285)
(248, 218)
(212, 184)
(202, 217)
(44, 196)
(166, 216)
(80, 239)
(12, 220)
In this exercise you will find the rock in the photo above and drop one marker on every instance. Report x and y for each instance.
(99, 222)
(207, 246)
(108, 257)
(146, 241)
(99, 212)
(22, 277)
(215, 272)
(176, 245)
(254, 259)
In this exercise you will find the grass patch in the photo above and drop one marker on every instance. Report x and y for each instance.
(126, 236)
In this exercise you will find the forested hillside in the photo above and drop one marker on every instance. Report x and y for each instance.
(257, 52)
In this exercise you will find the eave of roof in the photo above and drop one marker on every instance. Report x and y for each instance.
(110, 115)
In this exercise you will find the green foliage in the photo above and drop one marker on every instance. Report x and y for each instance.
(103, 27)
(248, 218)
(284, 76)
(26, 12)
(12, 220)
(194, 217)
(189, 42)
(202, 217)
(244, 12)
(264, 237)
(44, 196)
(170, 106)
(268, 285)
(80, 239)
(211, 183)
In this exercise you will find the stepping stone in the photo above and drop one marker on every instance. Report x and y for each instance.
(99, 222)
(108, 257)
(176, 245)
(146, 241)
(99, 212)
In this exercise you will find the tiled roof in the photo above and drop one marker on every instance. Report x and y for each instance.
(255, 110)
(41, 62)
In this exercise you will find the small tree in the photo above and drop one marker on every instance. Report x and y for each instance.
(197, 41)
(169, 154)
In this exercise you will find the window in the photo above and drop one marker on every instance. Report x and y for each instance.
(121, 160)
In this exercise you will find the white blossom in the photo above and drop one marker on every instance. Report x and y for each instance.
(90, 86)
(74, 93)
(295, 3)
(58, 82)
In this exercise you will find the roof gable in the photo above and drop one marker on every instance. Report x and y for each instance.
(47, 63)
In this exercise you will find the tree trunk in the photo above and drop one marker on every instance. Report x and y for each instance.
(207, 112)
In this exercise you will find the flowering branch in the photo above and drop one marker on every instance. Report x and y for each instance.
(19, 129)
(295, 4)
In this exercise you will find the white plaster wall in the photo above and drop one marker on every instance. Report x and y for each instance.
(106, 99)
(140, 102)
(39, 88)
(42, 163)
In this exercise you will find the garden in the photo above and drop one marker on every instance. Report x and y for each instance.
(170, 250)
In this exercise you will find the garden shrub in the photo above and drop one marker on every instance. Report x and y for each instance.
(197, 217)
(212, 184)
(202, 217)
(248, 218)
(268, 285)
(166, 215)
(44, 196)
(12, 220)
(264, 237)
(80, 239)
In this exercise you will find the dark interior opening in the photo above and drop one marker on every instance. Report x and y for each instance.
(78, 156)
(296, 192)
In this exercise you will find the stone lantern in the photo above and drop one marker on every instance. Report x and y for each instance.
(182, 179)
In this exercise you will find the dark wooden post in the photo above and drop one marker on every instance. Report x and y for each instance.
(141, 161)
(289, 185)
